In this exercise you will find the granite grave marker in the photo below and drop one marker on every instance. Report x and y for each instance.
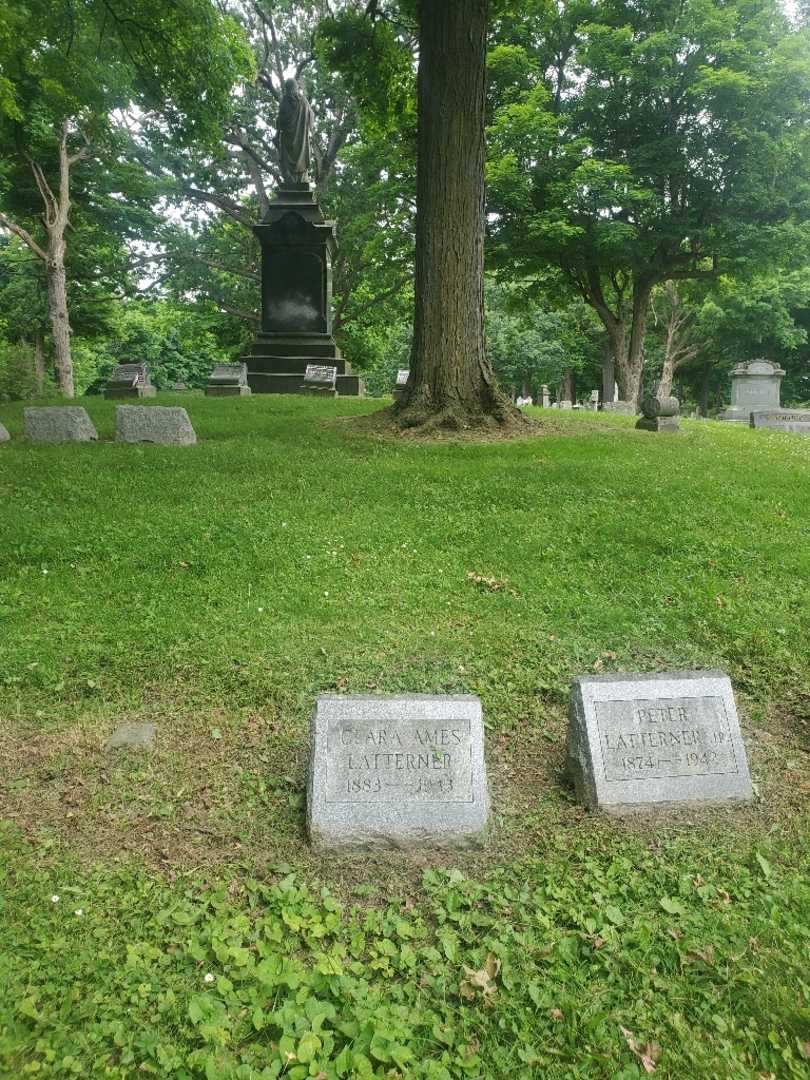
(129, 381)
(4, 435)
(397, 772)
(58, 424)
(228, 380)
(320, 379)
(168, 426)
(645, 742)
(796, 421)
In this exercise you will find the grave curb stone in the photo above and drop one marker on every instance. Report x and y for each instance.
(4, 435)
(402, 823)
(137, 736)
(58, 424)
(165, 425)
(787, 421)
(586, 760)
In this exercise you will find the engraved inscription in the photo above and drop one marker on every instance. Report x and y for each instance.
(668, 737)
(391, 761)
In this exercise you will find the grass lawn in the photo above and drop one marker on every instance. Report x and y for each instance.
(216, 590)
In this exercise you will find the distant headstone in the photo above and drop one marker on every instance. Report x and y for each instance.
(623, 408)
(58, 424)
(397, 772)
(641, 742)
(594, 400)
(796, 421)
(320, 379)
(545, 397)
(401, 381)
(755, 386)
(140, 736)
(4, 435)
(659, 414)
(228, 380)
(564, 404)
(129, 381)
(169, 426)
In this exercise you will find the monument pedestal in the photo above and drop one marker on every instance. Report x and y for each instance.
(296, 330)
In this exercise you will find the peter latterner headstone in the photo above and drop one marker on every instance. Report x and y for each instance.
(646, 742)
(401, 382)
(796, 421)
(397, 772)
(58, 424)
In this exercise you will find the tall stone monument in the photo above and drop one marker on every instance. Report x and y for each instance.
(298, 245)
(754, 386)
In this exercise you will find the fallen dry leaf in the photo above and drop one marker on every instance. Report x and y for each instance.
(555, 1014)
(481, 982)
(648, 1054)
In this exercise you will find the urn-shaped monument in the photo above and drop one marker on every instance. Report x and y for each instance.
(754, 385)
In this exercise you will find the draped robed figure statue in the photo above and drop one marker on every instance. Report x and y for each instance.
(296, 123)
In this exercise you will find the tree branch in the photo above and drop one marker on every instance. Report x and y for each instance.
(24, 235)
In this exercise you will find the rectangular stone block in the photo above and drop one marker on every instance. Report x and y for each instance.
(796, 421)
(658, 423)
(129, 381)
(58, 424)
(397, 772)
(646, 742)
(168, 426)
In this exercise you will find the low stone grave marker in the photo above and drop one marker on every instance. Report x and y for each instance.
(166, 425)
(401, 382)
(796, 421)
(320, 379)
(139, 736)
(623, 408)
(4, 435)
(397, 772)
(646, 742)
(58, 424)
(228, 380)
(129, 381)
(659, 414)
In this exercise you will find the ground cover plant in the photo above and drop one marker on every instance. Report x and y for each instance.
(161, 912)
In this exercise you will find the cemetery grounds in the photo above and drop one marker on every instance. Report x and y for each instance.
(161, 913)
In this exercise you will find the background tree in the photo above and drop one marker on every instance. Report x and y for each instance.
(67, 69)
(663, 140)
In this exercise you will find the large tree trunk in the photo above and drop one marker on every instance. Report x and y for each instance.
(608, 374)
(451, 382)
(58, 311)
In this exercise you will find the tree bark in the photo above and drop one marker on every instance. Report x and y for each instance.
(608, 374)
(39, 363)
(55, 217)
(451, 382)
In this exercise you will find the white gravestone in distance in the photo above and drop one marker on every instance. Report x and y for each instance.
(4, 435)
(647, 742)
(754, 386)
(401, 382)
(796, 421)
(397, 772)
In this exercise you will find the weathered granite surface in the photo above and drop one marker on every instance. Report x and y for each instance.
(169, 426)
(228, 380)
(58, 424)
(646, 742)
(754, 386)
(623, 408)
(140, 736)
(796, 421)
(659, 413)
(4, 435)
(397, 772)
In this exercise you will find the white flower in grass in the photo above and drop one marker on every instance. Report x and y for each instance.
(209, 977)
(54, 899)
(79, 911)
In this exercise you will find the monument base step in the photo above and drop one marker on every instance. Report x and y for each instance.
(127, 392)
(293, 365)
(262, 382)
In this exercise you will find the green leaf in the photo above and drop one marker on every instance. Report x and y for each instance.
(308, 1047)
(764, 865)
(614, 915)
(672, 907)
